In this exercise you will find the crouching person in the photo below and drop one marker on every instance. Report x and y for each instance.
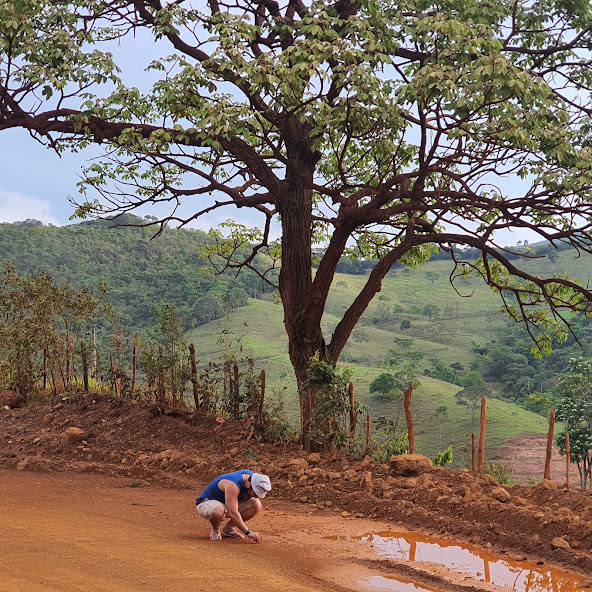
(235, 496)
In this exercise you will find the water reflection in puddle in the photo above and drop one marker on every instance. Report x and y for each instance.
(397, 584)
(521, 576)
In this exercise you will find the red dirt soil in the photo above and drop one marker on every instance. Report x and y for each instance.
(112, 508)
(524, 457)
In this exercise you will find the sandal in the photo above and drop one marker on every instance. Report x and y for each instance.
(214, 536)
(233, 534)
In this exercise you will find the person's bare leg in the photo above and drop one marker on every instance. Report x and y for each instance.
(216, 520)
(247, 511)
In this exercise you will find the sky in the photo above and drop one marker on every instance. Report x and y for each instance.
(34, 181)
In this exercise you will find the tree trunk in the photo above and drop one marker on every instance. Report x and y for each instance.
(301, 318)
(302, 298)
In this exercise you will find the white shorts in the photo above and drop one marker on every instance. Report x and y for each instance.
(208, 507)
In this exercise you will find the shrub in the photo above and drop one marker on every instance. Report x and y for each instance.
(328, 421)
(443, 458)
(500, 473)
(276, 426)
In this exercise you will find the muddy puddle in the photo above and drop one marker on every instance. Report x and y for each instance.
(463, 562)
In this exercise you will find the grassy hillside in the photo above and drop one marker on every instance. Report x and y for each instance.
(260, 331)
(447, 336)
(465, 319)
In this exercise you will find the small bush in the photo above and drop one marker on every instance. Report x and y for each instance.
(276, 426)
(393, 446)
(443, 458)
(500, 473)
(328, 419)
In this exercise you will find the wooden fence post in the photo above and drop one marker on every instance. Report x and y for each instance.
(547, 473)
(174, 385)
(194, 375)
(235, 392)
(84, 367)
(306, 408)
(93, 360)
(115, 385)
(44, 368)
(68, 379)
(353, 416)
(133, 385)
(409, 419)
(481, 451)
(567, 459)
(260, 412)
(160, 388)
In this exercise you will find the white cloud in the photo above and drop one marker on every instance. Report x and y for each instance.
(16, 207)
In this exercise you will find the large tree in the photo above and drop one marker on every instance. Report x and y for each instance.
(368, 128)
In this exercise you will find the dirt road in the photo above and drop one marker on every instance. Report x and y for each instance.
(91, 533)
(77, 532)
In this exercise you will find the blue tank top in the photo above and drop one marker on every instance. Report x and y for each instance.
(213, 492)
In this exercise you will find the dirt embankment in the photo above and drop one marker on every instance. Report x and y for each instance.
(183, 451)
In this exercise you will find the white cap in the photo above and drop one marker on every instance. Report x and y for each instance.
(261, 484)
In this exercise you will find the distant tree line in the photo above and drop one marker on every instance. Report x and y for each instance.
(139, 272)
(350, 266)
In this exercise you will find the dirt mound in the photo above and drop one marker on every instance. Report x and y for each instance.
(182, 449)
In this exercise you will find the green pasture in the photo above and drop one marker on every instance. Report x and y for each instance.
(257, 331)
(504, 420)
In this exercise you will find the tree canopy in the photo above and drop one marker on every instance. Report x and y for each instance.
(363, 128)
